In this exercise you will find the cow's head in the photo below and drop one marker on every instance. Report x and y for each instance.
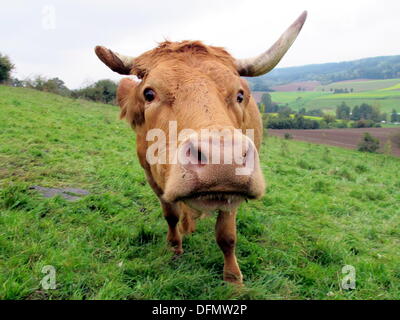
(191, 88)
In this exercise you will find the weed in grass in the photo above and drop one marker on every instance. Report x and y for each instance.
(326, 156)
(284, 148)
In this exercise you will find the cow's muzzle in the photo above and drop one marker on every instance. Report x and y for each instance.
(215, 172)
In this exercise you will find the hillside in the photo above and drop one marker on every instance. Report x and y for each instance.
(387, 67)
(325, 208)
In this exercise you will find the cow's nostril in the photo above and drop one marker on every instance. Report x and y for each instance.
(247, 155)
(195, 155)
(201, 158)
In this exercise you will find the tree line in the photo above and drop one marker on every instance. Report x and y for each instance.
(365, 112)
(103, 91)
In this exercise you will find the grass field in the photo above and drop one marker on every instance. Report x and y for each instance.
(325, 208)
(384, 94)
(297, 100)
(359, 86)
(394, 87)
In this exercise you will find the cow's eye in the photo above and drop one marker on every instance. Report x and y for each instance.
(149, 94)
(240, 96)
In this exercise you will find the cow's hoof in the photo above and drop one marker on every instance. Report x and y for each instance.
(233, 278)
(177, 252)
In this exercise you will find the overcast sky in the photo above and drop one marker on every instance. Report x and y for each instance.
(56, 38)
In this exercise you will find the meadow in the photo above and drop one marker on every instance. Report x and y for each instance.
(324, 208)
(359, 86)
(383, 94)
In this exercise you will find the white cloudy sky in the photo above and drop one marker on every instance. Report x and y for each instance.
(61, 45)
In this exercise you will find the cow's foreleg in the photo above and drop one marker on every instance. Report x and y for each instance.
(174, 237)
(226, 239)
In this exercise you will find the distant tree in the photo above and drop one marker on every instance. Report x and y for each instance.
(54, 85)
(299, 121)
(302, 111)
(343, 111)
(394, 117)
(368, 143)
(366, 111)
(109, 90)
(328, 118)
(266, 100)
(258, 84)
(377, 115)
(35, 83)
(362, 112)
(363, 124)
(275, 107)
(101, 91)
(336, 91)
(261, 107)
(355, 114)
(17, 83)
(5, 68)
(284, 112)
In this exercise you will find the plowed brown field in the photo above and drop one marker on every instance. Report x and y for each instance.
(345, 138)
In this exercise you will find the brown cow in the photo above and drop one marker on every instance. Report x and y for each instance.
(195, 86)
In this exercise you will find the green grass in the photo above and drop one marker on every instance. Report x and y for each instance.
(325, 207)
(296, 100)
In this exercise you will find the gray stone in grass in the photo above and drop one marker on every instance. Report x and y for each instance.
(69, 194)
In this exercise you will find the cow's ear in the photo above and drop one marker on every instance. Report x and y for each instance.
(125, 86)
(131, 109)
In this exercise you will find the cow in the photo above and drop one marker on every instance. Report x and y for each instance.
(198, 89)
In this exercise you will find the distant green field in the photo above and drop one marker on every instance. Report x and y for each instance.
(385, 95)
(289, 97)
(325, 208)
(296, 100)
(377, 94)
(395, 87)
(358, 86)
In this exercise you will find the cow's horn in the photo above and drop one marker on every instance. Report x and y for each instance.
(115, 61)
(266, 61)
